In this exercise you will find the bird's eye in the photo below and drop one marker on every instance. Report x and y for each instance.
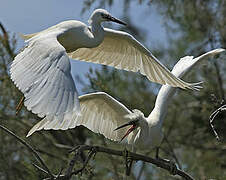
(105, 16)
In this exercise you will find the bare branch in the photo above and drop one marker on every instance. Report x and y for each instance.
(132, 156)
(31, 149)
(39, 168)
(92, 151)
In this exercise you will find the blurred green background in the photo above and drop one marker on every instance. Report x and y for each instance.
(189, 27)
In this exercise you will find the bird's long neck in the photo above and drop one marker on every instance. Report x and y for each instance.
(161, 105)
(181, 69)
(97, 33)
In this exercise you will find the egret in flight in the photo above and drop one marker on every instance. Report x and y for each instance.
(42, 69)
(103, 114)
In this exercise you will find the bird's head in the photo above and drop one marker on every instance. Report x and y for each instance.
(101, 15)
(137, 119)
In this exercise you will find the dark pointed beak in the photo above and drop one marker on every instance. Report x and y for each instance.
(133, 127)
(124, 125)
(110, 18)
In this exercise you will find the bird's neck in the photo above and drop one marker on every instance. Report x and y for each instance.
(163, 99)
(97, 33)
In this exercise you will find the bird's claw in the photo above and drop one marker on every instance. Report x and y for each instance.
(173, 168)
(172, 164)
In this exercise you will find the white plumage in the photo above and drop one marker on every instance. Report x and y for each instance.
(121, 50)
(42, 70)
(102, 114)
(45, 77)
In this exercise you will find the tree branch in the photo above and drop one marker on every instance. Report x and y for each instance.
(133, 156)
(164, 164)
(31, 149)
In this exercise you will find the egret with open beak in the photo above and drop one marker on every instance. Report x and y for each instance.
(133, 124)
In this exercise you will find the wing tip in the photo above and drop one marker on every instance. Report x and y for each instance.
(26, 36)
(195, 86)
(217, 51)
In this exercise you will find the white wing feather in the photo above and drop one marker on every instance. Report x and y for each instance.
(101, 113)
(121, 50)
(183, 66)
(42, 72)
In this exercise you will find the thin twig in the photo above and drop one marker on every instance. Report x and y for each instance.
(172, 151)
(213, 116)
(91, 153)
(49, 154)
(31, 149)
(6, 41)
(39, 168)
(71, 164)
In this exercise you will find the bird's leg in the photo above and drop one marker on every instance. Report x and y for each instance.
(157, 153)
(19, 106)
(128, 162)
(173, 167)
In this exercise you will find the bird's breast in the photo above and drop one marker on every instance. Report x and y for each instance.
(146, 139)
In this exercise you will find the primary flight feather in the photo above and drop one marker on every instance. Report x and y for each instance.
(42, 69)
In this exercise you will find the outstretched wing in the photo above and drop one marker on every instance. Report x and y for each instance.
(185, 64)
(42, 72)
(182, 67)
(101, 113)
(121, 50)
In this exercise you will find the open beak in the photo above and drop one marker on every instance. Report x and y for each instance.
(110, 18)
(133, 127)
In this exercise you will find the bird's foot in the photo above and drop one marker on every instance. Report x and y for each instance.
(173, 167)
(19, 106)
(171, 163)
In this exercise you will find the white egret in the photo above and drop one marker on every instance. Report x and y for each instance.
(103, 114)
(42, 69)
